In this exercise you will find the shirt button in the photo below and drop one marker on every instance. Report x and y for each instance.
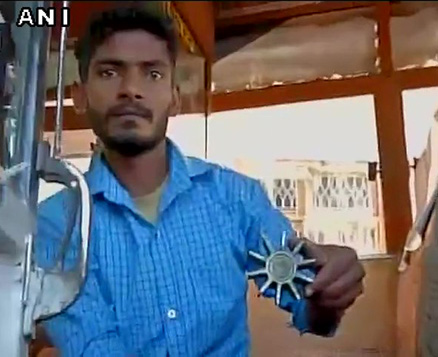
(171, 314)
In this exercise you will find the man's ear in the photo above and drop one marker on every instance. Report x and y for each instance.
(79, 96)
(176, 102)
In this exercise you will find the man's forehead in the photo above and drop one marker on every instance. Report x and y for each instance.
(133, 46)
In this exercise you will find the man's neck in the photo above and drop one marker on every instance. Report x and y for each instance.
(142, 174)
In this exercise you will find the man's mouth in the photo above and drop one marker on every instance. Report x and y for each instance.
(131, 113)
(131, 116)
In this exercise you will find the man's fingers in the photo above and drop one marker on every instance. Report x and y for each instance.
(310, 250)
(337, 268)
(343, 302)
(325, 277)
(344, 283)
(338, 265)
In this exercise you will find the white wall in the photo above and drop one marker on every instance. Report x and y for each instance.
(188, 132)
(336, 130)
(419, 106)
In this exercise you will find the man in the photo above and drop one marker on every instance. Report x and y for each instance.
(170, 234)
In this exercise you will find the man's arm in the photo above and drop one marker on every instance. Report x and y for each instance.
(264, 218)
(87, 327)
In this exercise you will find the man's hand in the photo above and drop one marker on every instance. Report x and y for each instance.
(337, 285)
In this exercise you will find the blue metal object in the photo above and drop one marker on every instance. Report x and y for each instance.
(285, 267)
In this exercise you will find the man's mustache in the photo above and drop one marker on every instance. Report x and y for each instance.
(130, 109)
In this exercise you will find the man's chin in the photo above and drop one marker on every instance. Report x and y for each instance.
(131, 148)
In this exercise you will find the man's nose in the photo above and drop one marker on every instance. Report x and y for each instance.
(131, 86)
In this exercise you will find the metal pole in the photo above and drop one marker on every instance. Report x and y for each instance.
(56, 148)
(31, 113)
(25, 121)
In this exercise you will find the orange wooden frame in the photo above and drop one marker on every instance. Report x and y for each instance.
(278, 10)
(386, 87)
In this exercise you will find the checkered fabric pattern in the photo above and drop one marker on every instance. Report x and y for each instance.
(177, 288)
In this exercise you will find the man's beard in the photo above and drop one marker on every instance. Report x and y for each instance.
(129, 145)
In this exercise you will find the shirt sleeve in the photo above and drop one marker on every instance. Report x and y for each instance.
(264, 218)
(88, 326)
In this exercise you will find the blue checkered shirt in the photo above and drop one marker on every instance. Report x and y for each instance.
(177, 288)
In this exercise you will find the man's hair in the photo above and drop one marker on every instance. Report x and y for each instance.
(107, 23)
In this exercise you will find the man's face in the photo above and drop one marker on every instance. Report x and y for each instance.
(129, 93)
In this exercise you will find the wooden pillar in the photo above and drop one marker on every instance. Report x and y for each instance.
(391, 141)
(395, 168)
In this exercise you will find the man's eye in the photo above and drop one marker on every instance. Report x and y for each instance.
(156, 75)
(108, 73)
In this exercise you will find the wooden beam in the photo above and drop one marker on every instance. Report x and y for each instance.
(415, 78)
(72, 120)
(198, 16)
(321, 89)
(275, 10)
(293, 93)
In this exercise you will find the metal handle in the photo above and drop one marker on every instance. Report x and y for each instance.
(56, 170)
(85, 216)
(53, 290)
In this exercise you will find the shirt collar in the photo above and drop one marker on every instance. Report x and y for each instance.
(182, 169)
